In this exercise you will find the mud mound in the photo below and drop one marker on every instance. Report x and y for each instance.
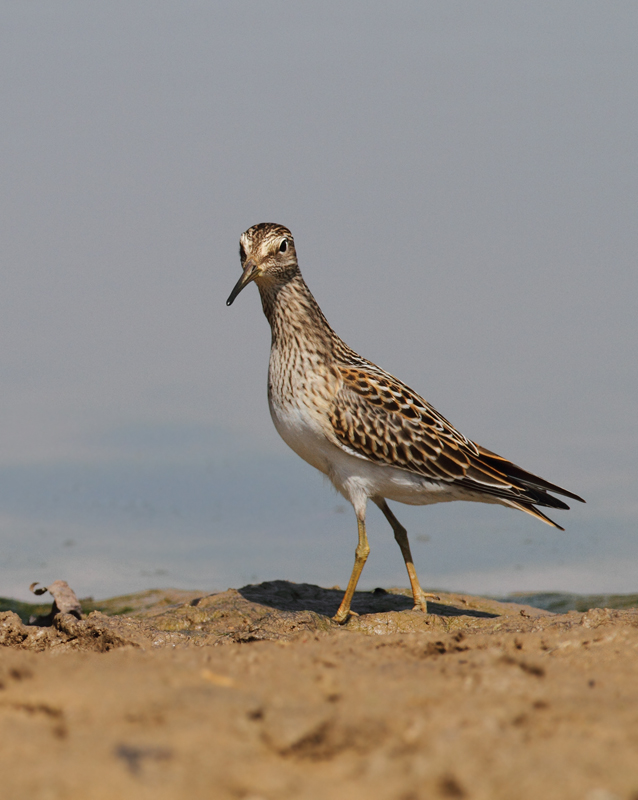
(275, 610)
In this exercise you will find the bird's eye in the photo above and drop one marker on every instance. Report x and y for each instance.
(283, 246)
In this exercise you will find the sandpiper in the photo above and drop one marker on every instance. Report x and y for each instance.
(373, 436)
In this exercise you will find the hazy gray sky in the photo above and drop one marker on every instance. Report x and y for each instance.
(461, 181)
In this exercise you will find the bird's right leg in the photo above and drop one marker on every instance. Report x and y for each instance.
(360, 557)
(401, 536)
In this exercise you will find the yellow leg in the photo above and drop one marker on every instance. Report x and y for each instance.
(401, 536)
(360, 557)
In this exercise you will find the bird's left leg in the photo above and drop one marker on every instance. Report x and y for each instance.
(401, 536)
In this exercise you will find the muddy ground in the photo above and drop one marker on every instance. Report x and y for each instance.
(256, 695)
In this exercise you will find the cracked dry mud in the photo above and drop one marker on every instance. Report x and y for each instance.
(256, 695)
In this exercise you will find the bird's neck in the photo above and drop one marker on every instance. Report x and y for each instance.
(294, 315)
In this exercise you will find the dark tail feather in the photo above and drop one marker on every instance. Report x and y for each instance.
(528, 480)
(534, 512)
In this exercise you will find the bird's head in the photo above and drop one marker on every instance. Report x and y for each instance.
(268, 257)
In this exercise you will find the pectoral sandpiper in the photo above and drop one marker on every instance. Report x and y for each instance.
(369, 433)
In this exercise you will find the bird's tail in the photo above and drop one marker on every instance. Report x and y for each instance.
(516, 487)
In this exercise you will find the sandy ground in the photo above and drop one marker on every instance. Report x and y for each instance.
(256, 695)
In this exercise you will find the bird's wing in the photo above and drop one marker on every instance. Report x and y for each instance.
(381, 418)
(377, 417)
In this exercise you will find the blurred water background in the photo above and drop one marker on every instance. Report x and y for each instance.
(460, 179)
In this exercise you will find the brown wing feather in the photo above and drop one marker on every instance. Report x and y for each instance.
(382, 419)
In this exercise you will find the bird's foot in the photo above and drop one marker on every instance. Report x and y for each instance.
(341, 617)
(420, 602)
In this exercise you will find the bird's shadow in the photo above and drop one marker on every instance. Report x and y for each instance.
(288, 596)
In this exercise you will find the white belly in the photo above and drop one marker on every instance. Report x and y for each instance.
(302, 434)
